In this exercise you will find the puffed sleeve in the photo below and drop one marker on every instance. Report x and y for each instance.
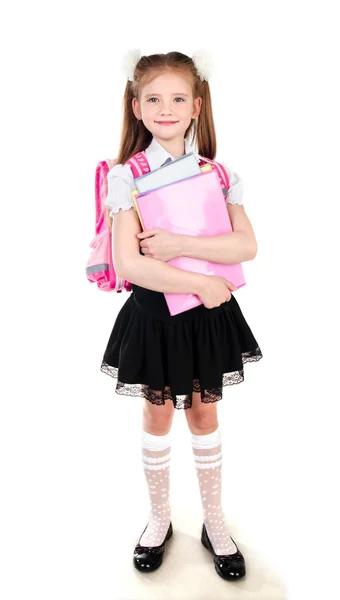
(235, 192)
(120, 183)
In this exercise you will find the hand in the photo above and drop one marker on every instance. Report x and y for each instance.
(159, 243)
(215, 291)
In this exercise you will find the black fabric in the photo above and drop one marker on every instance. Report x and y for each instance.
(160, 357)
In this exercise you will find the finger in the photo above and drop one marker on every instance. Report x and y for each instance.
(144, 234)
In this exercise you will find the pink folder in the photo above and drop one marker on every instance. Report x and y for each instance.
(194, 206)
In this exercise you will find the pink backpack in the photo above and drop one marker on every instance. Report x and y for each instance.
(99, 267)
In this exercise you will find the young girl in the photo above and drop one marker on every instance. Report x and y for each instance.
(181, 361)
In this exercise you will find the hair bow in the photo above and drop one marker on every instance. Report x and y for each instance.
(203, 62)
(129, 62)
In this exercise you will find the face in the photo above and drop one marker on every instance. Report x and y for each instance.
(168, 98)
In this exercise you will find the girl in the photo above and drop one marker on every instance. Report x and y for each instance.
(182, 361)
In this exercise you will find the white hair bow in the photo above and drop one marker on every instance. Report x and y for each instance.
(203, 62)
(129, 62)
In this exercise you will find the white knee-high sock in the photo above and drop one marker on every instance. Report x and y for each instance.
(156, 452)
(207, 451)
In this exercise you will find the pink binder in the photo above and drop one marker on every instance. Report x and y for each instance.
(194, 206)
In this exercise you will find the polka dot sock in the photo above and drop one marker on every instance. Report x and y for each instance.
(207, 451)
(156, 450)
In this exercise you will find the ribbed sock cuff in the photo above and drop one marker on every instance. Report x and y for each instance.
(156, 442)
(206, 441)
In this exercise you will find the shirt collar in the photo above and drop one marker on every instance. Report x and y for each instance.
(157, 155)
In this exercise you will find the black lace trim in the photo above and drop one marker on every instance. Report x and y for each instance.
(183, 401)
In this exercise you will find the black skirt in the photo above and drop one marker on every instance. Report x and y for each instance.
(162, 357)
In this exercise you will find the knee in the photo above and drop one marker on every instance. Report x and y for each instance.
(202, 426)
(157, 420)
(202, 420)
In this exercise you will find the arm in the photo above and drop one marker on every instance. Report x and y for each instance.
(142, 270)
(161, 277)
(229, 248)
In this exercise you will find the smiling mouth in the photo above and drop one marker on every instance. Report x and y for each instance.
(166, 122)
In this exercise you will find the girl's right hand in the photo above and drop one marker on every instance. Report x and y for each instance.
(215, 291)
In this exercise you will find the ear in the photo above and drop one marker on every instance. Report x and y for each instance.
(196, 108)
(136, 109)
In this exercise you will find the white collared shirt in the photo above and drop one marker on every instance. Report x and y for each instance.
(120, 179)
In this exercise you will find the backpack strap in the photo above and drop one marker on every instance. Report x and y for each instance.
(222, 173)
(139, 164)
(102, 170)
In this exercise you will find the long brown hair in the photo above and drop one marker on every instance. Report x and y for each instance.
(135, 137)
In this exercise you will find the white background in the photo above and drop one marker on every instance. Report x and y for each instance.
(67, 440)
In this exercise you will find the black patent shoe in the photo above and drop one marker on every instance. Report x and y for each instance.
(148, 559)
(228, 566)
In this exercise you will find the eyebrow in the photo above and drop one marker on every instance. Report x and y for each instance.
(175, 94)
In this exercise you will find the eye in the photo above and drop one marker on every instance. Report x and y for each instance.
(178, 98)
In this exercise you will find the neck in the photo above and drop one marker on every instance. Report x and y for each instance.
(175, 147)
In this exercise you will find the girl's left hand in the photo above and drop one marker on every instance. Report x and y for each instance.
(159, 243)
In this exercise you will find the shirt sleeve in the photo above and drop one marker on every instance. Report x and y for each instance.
(120, 183)
(235, 192)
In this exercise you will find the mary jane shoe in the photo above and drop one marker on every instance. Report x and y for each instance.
(228, 566)
(147, 558)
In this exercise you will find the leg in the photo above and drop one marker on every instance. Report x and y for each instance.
(157, 419)
(156, 450)
(207, 449)
(201, 417)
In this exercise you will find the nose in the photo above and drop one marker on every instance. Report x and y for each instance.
(165, 108)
